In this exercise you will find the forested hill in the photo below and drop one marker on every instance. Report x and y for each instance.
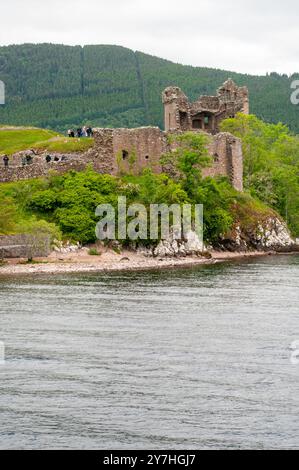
(58, 86)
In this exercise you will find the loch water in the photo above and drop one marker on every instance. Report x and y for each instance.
(203, 358)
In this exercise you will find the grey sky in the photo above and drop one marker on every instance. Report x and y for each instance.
(256, 36)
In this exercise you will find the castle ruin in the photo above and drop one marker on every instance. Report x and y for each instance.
(207, 112)
(120, 151)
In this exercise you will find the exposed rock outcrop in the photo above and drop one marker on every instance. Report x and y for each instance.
(271, 234)
(176, 247)
(267, 235)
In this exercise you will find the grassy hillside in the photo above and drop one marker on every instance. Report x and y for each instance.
(13, 140)
(55, 86)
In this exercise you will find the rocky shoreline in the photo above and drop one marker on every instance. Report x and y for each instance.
(271, 237)
(110, 261)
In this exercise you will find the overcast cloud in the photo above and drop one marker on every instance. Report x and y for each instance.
(253, 36)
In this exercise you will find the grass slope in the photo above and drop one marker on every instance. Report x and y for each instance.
(13, 140)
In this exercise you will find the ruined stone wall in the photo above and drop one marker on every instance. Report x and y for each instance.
(132, 150)
(176, 110)
(236, 162)
(221, 161)
(226, 153)
(102, 155)
(171, 116)
(211, 103)
(136, 149)
(122, 151)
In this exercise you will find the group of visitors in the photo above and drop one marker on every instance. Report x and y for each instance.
(81, 132)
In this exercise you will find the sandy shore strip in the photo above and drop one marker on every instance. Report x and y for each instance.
(109, 261)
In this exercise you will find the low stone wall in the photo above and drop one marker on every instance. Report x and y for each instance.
(39, 168)
(24, 246)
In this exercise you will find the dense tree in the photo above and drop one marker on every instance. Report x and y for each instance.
(271, 164)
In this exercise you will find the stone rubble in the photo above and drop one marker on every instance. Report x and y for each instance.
(174, 247)
(67, 247)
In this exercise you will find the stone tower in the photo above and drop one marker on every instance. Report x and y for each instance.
(207, 112)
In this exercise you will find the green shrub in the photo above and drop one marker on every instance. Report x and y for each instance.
(94, 252)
